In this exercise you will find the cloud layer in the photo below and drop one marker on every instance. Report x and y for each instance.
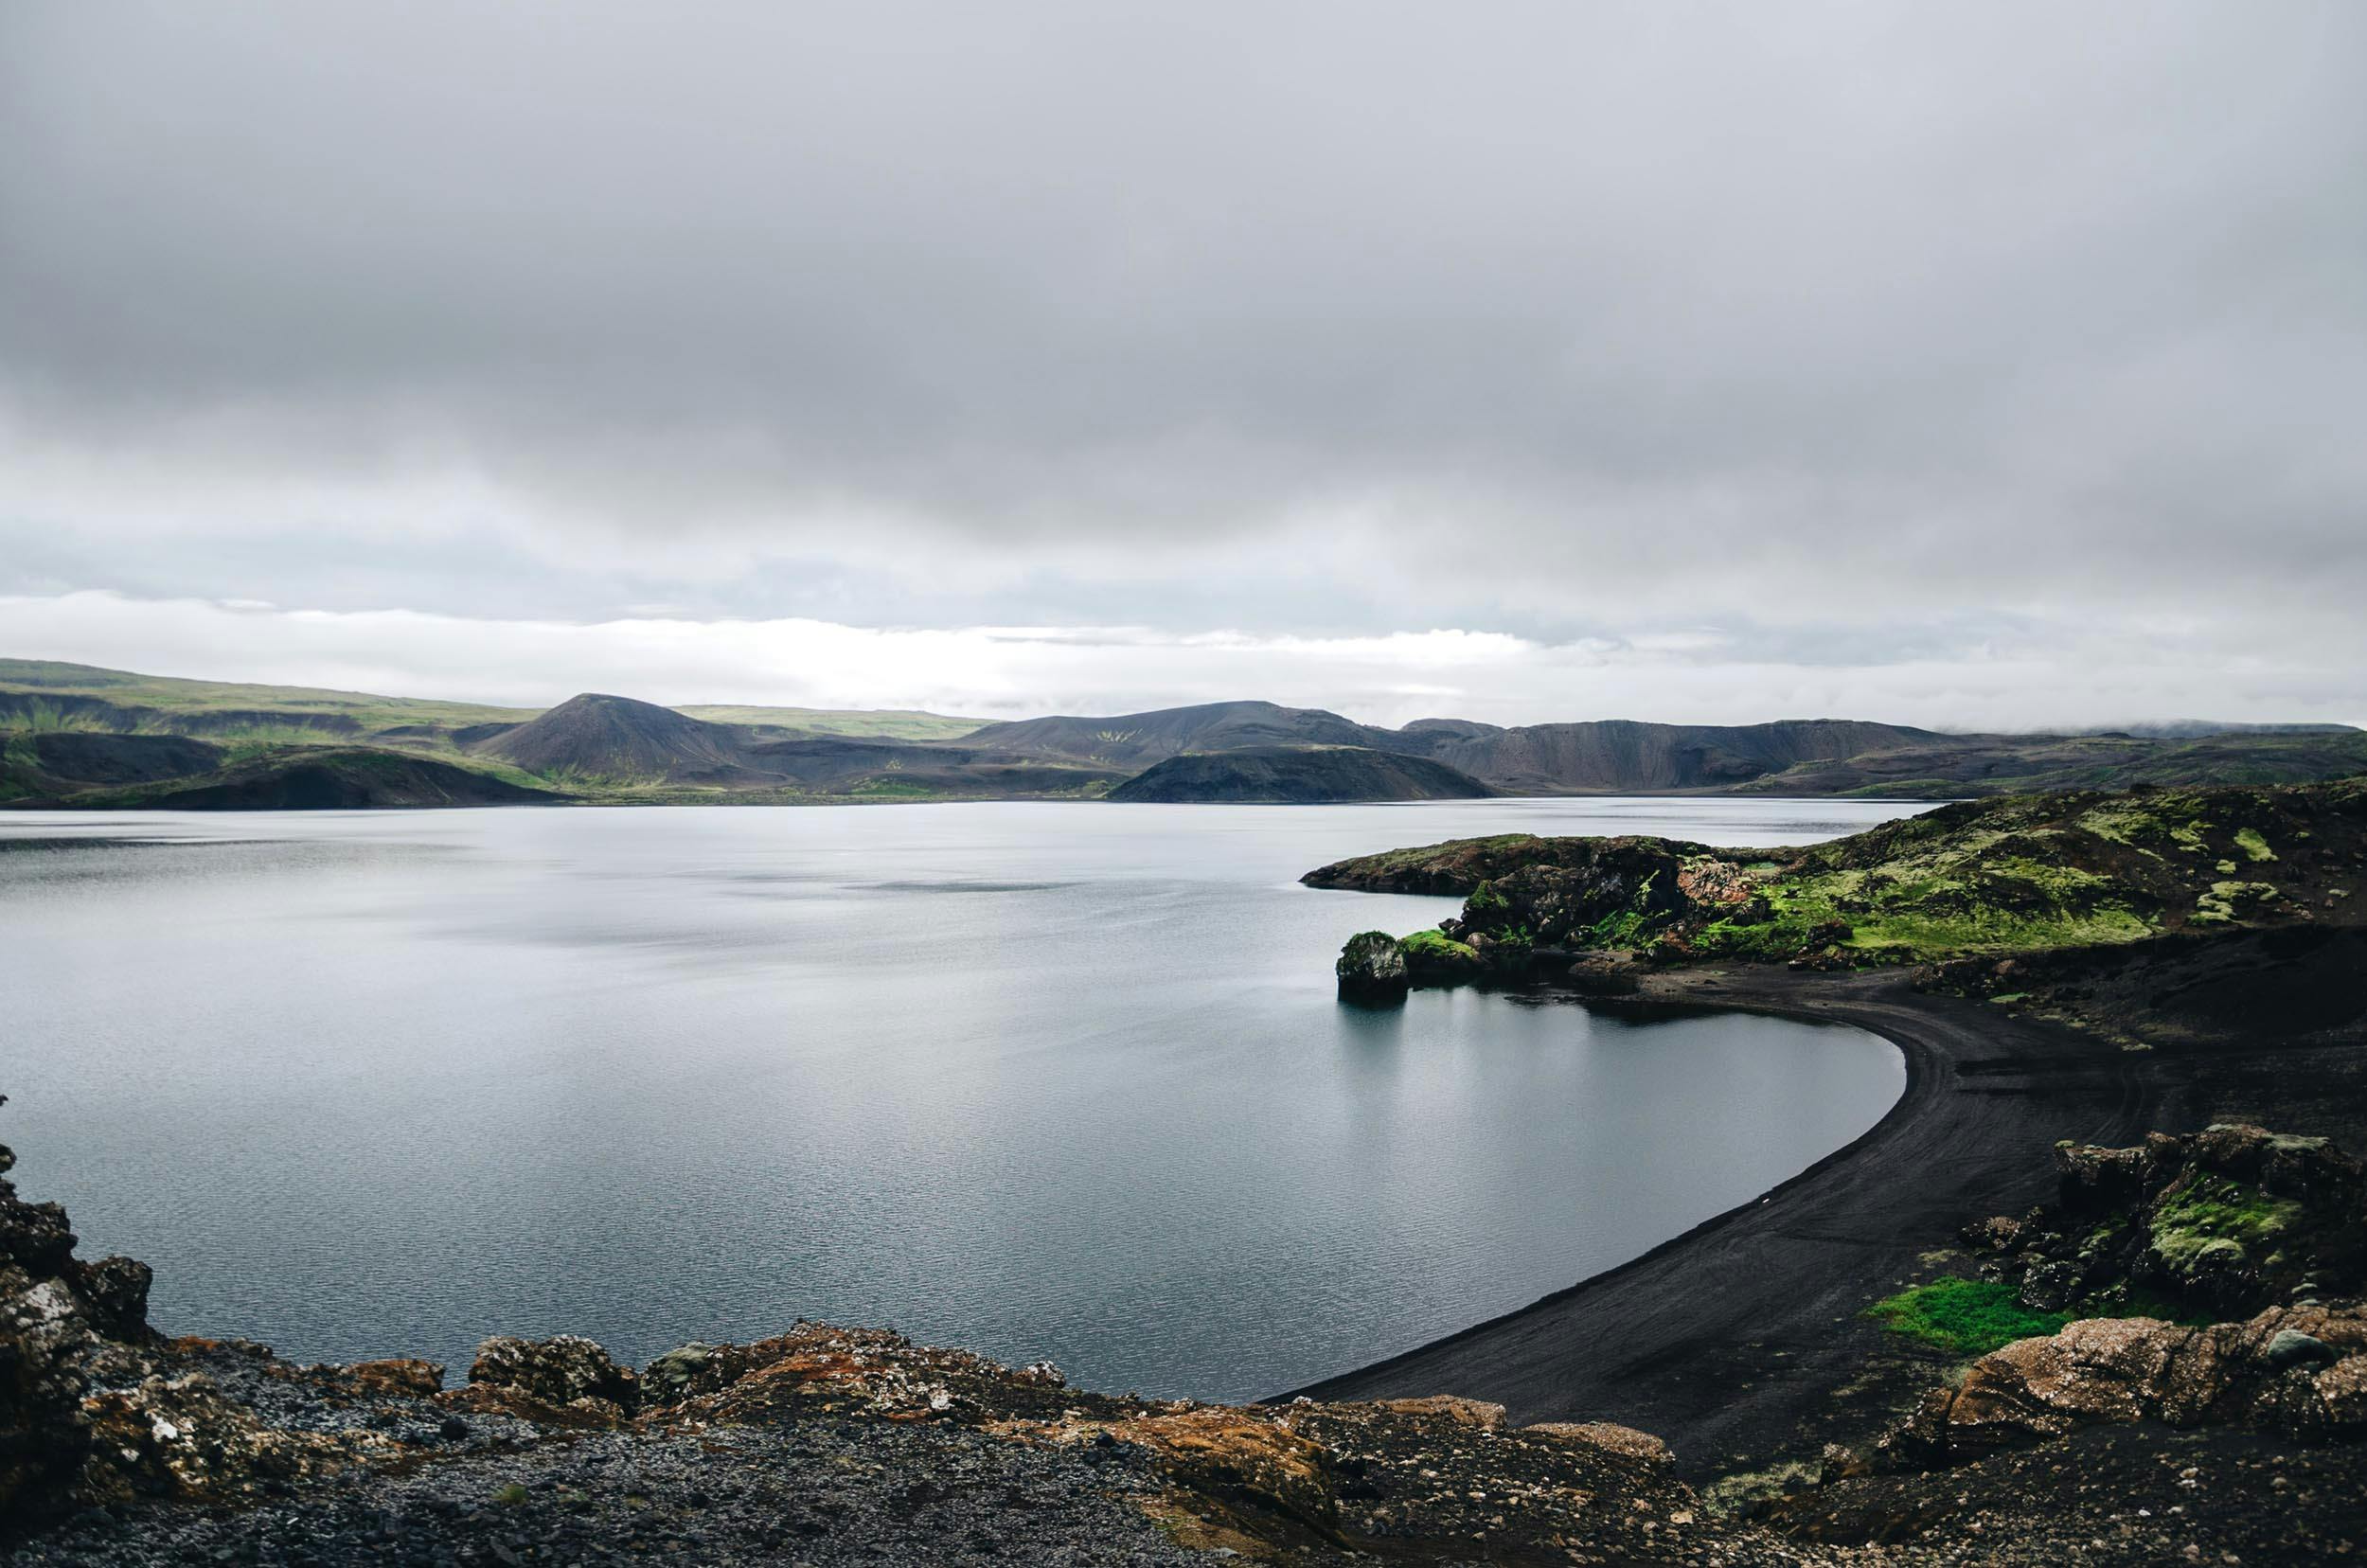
(1914, 340)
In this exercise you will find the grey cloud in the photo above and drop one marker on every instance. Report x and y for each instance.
(1536, 316)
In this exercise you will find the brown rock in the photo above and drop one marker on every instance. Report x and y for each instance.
(1471, 1413)
(2119, 1370)
(1610, 1437)
(556, 1371)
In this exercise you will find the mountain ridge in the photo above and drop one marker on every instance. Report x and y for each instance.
(619, 748)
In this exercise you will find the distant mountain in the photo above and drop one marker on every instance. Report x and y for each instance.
(71, 730)
(1135, 741)
(2188, 729)
(620, 740)
(1298, 776)
(1624, 757)
(1964, 766)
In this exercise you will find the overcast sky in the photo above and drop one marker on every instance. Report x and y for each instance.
(1986, 364)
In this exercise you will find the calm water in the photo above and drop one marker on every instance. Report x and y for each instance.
(1062, 1080)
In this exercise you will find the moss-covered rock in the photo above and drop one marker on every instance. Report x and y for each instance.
(1372, 965)
(1432, 957)
(2225, 1222)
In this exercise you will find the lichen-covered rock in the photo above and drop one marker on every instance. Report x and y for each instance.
(564, 1371)
(173, 1434)
(1372, 965)
(1471, 1413)
(58, 1317)
(2121, 1370)
(686, 1370)
(1616, 893)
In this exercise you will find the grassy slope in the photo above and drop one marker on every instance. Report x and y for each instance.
(887, 724)
(169, 695)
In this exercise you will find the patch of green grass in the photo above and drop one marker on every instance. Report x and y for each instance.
(1964, 1317)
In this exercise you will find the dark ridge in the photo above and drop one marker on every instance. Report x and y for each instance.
(1299, 775)
(80, 757)
(837, 764)
(1622, 756)
(358, 779)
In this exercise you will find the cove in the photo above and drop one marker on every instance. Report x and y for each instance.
(1045, 1080)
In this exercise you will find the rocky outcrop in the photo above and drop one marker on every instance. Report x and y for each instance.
(1976, 892)
(57, 1318)
(1458, 867)
(567, 1379)
(2297, 1370)
(2219, 1223)
(1603, 893)
(97, 1409)
(1371, 967)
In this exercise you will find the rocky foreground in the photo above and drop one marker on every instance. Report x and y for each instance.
(2112, 1440)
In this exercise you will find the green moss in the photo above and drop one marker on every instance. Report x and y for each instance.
(1964, 1317)
(1484, 900)
(2216, 1216)
(1437, 946)
(2253, 844)
(2227, 898)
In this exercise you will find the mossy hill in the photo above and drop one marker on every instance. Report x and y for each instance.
(1988, 879)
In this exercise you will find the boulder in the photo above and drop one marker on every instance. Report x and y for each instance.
(557, 1372)
(1610, 1437)
(1371, 967)
(2297, 1370)
(682, 1372)
(1471, 1413)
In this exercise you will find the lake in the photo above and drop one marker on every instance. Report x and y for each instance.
(1062, 1080)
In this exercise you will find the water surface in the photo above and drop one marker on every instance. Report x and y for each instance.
(1062, 1080)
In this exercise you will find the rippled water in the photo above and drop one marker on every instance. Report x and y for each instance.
(1062, 1080)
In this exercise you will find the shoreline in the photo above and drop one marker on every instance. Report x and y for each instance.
(1729, 1375)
